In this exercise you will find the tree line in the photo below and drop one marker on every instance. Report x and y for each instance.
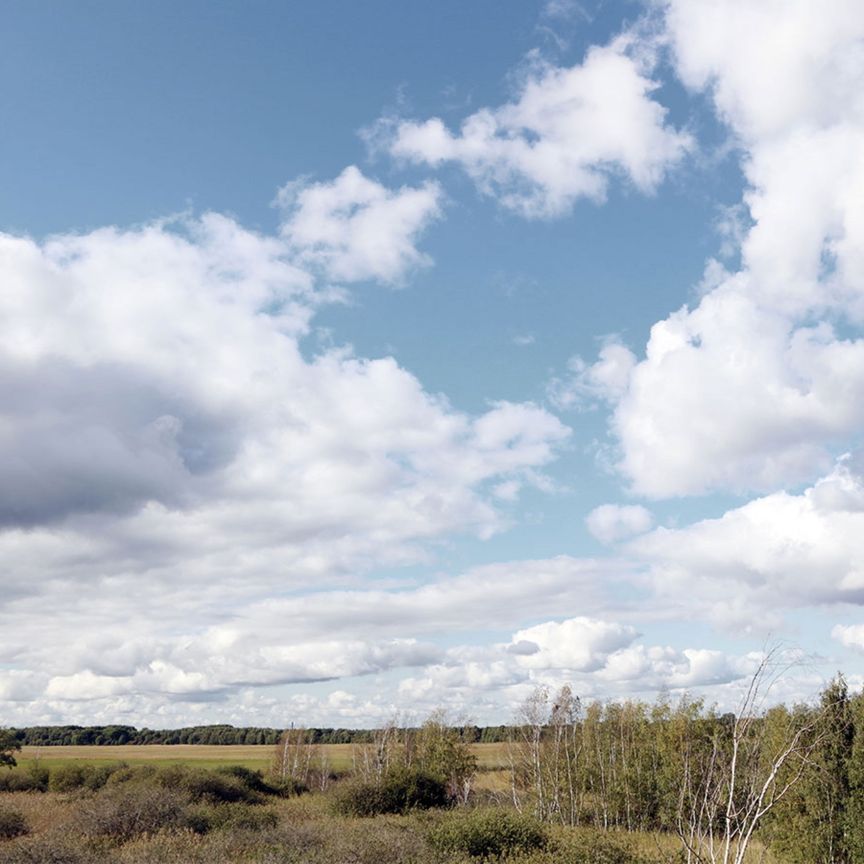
(49, 736)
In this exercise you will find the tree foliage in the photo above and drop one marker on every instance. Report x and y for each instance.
(9, 745)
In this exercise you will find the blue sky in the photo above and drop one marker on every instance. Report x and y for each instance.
(364, 358)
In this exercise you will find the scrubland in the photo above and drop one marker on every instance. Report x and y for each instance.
(184, 814)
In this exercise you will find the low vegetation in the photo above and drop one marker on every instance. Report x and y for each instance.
(619, 783)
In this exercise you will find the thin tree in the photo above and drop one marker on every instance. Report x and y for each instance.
(738, 774)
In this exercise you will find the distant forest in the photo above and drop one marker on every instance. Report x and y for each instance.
(55, 736)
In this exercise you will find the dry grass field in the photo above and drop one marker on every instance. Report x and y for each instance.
(490, 757)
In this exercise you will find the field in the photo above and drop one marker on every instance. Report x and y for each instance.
(490, 757)
(186, 804)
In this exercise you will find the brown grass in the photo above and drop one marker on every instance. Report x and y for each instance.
(489, 756)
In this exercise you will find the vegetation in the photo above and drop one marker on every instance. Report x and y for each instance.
(617, 783)
(9, 745)
(489, 833)
(12, 823)
(213, 735)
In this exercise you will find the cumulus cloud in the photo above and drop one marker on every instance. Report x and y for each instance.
(565, 136)
(169, 457)
(597, 657)
(581, 644)
(612, 522)
(756, 385)
(774, 553)
(353, 228)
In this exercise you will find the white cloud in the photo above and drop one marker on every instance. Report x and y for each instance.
(755, 386)
(599, 658)
(850, 636)
(170, 459)
(612, 522)
(353, 228)
(606, 379)
(655, 667)
(579, 644)
(569, 131)
(747, 567)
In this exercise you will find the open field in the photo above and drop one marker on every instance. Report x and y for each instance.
(256, 756)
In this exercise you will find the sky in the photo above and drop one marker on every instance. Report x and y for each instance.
(361, 360)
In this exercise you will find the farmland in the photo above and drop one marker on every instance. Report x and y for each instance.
(255, 756)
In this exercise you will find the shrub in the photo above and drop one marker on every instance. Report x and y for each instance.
(252, 780)
(489, 834)
(398, 792)
(229, 817)
(593, 846)
(132, 774)
(208, 786)
(12, 823)
(125, 812)
(67, 778)
(46, 850)
(32, 779)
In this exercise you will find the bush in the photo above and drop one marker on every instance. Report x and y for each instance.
(593, 846)
(210, 786)
(252, 780)
(32, 779)
(12, 823)
(67, 778)
(229, 817)
(126, 812)
(46, 850)
(398, 792)
(132, 774)
(236, 784)
(489, 834)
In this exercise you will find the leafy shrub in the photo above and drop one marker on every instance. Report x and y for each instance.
(593, 846)
(236, 784)
(12, 823)
(212, 786)
(229, 817)
(251, 779)
(489, 834)
(398, 792)
(132, 774)
(255, 782)
(67, 778)
(32, 779)
(125, 812)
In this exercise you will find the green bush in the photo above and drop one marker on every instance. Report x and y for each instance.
(256, 782)
(210, 786)
(68, 778)
(132, 774)
(489, 834)
(398, 792)
(12, 823)
(253, 780)
(593, 846)
(32, 779)
(236, 784)
(229, 817)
